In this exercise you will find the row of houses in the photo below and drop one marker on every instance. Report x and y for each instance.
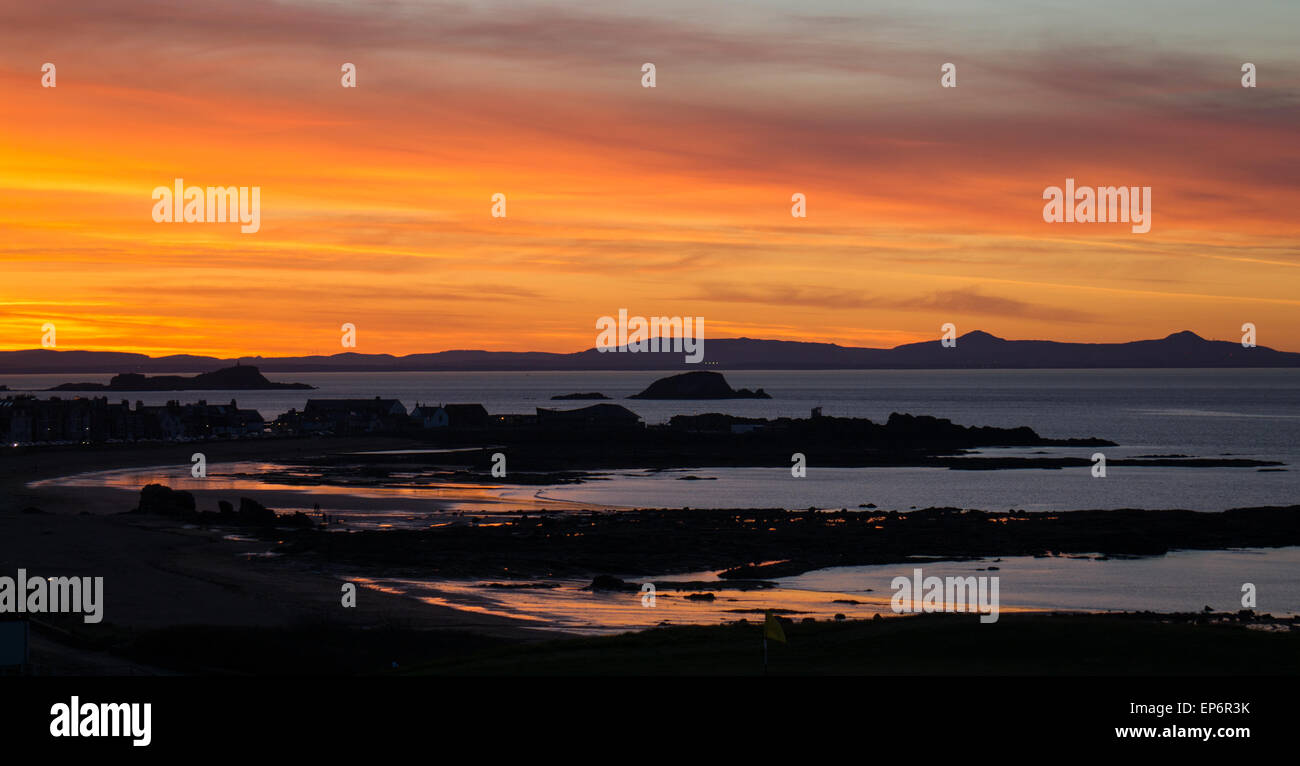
(356, 416)
(377, 415)
(26, 419)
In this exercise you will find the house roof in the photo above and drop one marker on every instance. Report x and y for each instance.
(353, 405)
(465, 409)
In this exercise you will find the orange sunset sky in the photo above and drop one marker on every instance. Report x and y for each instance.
(924, 203)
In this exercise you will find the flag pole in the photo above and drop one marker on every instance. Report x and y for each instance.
(764, 655)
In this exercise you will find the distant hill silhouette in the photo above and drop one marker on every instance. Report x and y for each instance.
(975, 349)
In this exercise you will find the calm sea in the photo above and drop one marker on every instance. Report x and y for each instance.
(1202, 413)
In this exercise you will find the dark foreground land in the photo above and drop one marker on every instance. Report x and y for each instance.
(195, 598)
(1018, 644)
(186, 600)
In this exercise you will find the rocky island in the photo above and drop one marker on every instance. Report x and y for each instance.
(237, 378)
(697, 385)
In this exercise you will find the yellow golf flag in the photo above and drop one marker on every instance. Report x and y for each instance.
(772, 628)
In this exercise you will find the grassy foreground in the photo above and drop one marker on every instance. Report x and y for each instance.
(931, 644)
(1039, 644)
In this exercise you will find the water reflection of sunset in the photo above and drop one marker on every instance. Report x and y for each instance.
(373, 502)
(564, 605)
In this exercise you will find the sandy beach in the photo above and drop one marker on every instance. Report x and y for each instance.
(159, 575)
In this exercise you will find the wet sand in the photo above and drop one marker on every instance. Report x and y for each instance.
(370, 504)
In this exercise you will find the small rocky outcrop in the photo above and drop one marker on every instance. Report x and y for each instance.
(609, 582)
(161, 500)
(697, 385)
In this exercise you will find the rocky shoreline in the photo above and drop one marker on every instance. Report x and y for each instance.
(761, 544)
